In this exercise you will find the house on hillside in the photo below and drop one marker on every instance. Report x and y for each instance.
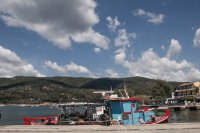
(188, 91)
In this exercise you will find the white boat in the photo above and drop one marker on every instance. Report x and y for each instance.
(2, 105)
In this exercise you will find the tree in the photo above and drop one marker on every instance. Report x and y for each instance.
(161, 89)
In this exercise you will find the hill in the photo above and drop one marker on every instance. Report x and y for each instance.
(62, 89)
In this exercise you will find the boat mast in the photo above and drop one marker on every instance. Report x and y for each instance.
(121, 93)
(126, 93)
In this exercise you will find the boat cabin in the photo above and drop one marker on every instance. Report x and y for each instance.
(129, 111)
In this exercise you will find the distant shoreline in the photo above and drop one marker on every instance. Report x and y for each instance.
(25, 105)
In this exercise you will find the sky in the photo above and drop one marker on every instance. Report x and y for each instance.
(158, 39)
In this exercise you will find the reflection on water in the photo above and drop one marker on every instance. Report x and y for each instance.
(12, 115)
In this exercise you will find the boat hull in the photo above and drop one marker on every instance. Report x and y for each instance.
(43, 120)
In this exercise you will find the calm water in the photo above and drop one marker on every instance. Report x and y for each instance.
(185, 116)
(12, 115)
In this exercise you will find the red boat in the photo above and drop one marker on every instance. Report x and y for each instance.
(43, 120)
(162, 119)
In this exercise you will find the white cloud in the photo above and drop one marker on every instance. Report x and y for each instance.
(93, 37)
(111, 73)
(152, 65)
(113, 23)
(72, 67)
(174, 48)
(151, 17)
(162, 47)
(54, 66)
(97, 50)
(124, 38)
(196, 40)
(120, 56)
(12, 65)
(58, 22)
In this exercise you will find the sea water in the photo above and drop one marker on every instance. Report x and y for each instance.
(13, 115)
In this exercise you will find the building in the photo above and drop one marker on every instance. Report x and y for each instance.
(188, 91)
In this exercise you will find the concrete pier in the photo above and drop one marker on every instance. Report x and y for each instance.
(155, 128)
(181, 107)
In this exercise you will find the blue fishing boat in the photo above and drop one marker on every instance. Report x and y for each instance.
(128, 111)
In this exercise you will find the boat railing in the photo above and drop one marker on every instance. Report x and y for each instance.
(95, 116)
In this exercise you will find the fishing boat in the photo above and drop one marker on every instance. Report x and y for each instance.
(128, 111)
(42, 120)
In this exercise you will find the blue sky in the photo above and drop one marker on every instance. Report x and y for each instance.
(87, 38)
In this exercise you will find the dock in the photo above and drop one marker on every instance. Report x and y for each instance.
(180, 107)
(154, 128)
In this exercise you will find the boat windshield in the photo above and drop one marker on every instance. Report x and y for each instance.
(139, 105)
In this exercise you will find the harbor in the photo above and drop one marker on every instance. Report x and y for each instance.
(158, 128)
(97, 66)
(113, 114)
(112, 110)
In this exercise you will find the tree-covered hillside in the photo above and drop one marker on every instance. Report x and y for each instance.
(65, 89)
